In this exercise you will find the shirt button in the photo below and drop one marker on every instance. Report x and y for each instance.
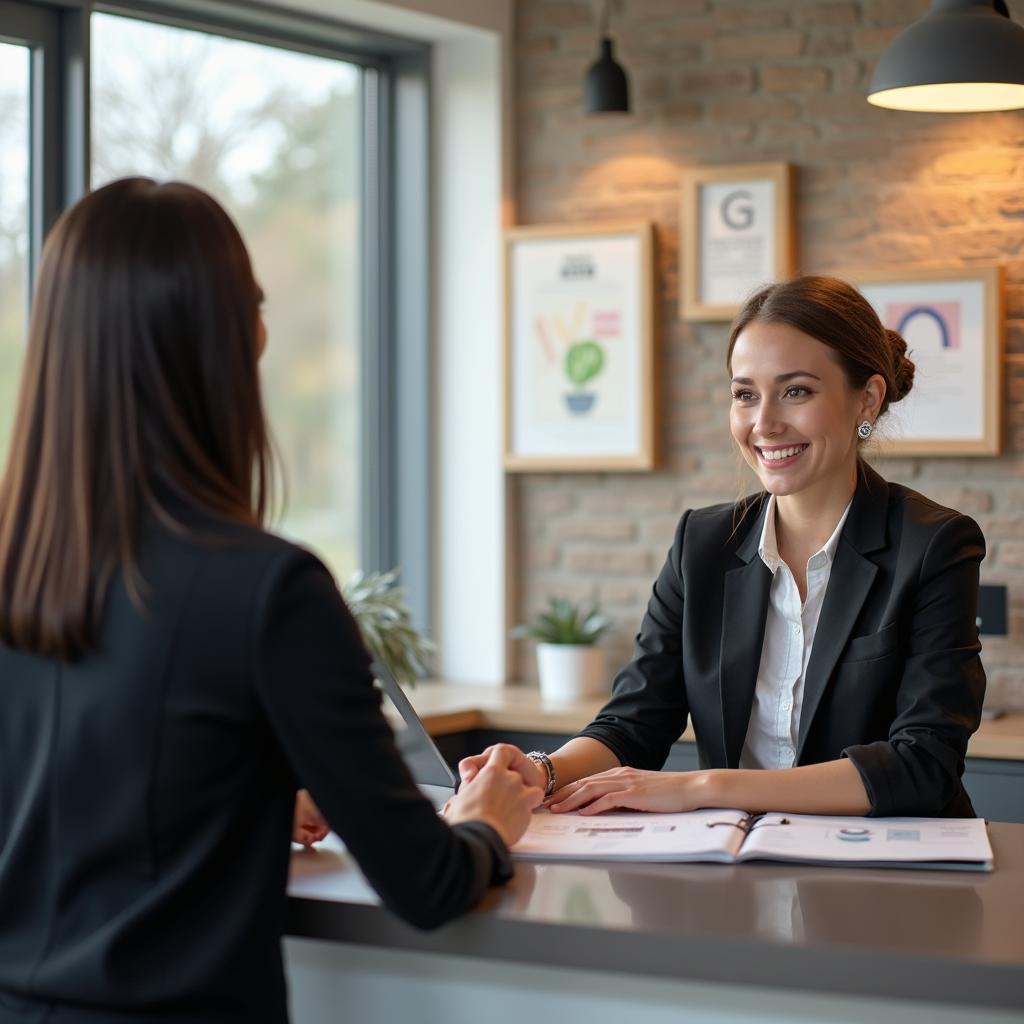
(796, 631)
(786, 705)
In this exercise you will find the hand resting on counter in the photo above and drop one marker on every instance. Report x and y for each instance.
(637, 790)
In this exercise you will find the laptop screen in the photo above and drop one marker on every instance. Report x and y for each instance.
(420, 753)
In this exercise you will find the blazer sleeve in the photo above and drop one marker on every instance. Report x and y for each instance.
(314, 682)
(938, 704)
(648, 709)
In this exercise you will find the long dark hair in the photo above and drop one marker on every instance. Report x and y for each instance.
(140, 394)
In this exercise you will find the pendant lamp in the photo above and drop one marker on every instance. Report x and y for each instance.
(963, 55)
(606, 90)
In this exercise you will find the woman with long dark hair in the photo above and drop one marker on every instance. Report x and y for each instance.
(169, 671)
(819, 634)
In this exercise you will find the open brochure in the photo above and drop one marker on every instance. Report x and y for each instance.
(729, 837)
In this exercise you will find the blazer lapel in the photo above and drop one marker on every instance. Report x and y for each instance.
(744, 611)
(848, 586)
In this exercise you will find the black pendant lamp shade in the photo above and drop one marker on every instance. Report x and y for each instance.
(606, 90)
(964, 55)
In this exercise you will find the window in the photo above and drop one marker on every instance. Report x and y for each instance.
(274, 135)
(15, 92)
(292, 122)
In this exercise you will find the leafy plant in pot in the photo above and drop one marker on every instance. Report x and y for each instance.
(569, 662)
(385, 622)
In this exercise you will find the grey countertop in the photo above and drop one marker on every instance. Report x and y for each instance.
(937, 936)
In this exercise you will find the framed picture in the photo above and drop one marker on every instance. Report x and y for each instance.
(952, 322)
(579, 348)
(737, 235)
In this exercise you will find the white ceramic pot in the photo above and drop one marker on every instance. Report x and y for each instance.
(568, 671)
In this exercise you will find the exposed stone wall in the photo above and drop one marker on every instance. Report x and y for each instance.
(733, 81)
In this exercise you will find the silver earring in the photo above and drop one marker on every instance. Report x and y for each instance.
(864, 430)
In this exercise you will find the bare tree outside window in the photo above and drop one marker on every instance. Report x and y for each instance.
(274, 135)
(14, 193)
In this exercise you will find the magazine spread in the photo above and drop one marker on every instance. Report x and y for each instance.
(731, 836)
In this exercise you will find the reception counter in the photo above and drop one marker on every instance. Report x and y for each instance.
(731, 943)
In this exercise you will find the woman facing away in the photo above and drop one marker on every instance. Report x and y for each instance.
(168, 670)
(820, 635)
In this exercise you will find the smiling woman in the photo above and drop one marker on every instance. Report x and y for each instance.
(802, 407)
(820, 634)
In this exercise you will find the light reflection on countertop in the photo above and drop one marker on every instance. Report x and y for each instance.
(933, 912)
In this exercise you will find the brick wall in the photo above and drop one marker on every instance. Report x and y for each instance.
(732, 81)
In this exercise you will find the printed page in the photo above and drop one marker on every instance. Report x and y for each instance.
(936, 842)
(710, 835)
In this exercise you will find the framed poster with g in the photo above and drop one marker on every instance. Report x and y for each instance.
(952, 321)
(579, 348)
(737, 235)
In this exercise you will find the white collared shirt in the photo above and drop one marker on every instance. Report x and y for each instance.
(788, 637)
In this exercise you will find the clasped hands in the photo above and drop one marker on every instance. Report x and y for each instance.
(498, 792)
(513, 784)
(622, 788)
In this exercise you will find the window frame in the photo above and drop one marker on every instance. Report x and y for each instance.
(396, 465)
(40, 29)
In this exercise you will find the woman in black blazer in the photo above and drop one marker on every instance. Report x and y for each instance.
(820, 635)
(168, 670)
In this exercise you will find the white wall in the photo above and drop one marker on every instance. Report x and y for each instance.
(470, 554)
(472, 202)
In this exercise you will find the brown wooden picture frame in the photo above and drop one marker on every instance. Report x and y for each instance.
(986, 338)
(770, 259)
(575, 267)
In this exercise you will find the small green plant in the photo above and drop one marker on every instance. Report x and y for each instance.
(583, 362)
(385, 623)
(566, 622)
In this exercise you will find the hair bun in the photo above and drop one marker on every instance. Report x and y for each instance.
(902, 367)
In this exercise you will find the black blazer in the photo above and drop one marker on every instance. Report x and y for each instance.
(146, 791)
(894, 681)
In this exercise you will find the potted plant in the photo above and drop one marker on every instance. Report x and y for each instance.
(569, 662)
(385, 622)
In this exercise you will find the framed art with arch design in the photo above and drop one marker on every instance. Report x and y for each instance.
(737, 235)
(952, 319)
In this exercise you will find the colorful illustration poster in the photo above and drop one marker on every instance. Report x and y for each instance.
(576, 347)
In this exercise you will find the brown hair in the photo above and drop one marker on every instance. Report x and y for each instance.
(140, 394)
(837, 315)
